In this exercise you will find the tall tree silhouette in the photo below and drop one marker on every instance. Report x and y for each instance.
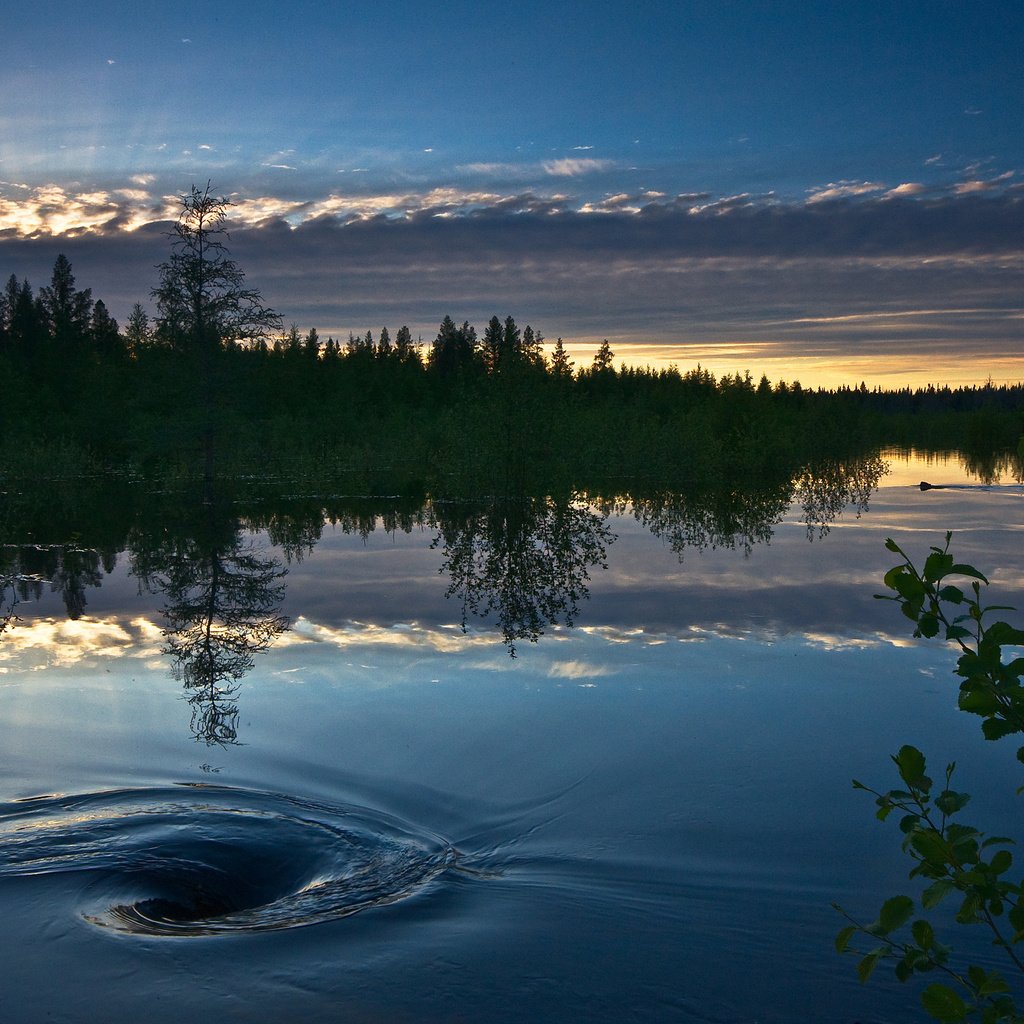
(68, 311)
(202, 301)
(204, 306)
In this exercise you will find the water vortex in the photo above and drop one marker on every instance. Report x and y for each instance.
(202, 859)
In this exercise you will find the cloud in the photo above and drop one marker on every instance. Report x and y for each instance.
(931, 275)
(565, 167)
(571, 167)
(982, 185)
(908, 188)
(842, 190)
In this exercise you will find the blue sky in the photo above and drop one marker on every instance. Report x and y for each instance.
(800, 187)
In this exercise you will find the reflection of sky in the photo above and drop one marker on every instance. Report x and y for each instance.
(387, 590)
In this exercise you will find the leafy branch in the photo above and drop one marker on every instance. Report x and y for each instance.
(991, 687)
(954, 858)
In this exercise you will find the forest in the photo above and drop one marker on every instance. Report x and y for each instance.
(214, 371)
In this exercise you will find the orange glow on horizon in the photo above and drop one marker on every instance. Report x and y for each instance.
(913, 370)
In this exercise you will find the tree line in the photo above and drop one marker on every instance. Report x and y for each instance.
(214, 364)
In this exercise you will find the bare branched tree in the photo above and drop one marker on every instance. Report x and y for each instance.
(202, 302)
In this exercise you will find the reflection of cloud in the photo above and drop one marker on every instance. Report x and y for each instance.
(443, 639)
(579, 670)
(46, 643)
(569, 167)
(836, 642)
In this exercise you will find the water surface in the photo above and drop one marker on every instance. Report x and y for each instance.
(295, 772)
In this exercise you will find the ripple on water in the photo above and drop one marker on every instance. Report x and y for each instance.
(202, 860)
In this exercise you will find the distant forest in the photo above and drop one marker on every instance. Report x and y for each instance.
(81, 393)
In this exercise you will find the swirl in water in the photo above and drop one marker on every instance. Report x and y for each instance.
(201, 859)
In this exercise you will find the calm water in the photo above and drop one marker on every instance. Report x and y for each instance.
(266, 776)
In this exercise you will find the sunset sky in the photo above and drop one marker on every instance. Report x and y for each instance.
(828, 191)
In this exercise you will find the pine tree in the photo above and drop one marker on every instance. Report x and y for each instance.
(67, 310)
(561, 364)
(137, 333)
(603, 360)
(202, 302)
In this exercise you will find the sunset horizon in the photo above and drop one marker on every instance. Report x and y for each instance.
(831, 195)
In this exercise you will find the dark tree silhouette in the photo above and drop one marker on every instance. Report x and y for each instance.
(67, 310)
(202, 302)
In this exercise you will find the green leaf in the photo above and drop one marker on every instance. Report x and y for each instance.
(890, 578)
(960, 569)
(844, 936)
(1016, 916)
(943, 1003)
(891, 545)
(935, 892)
(924, 935)
(867, 966)
(1001, 862)
(911, 764)
(937, 565)
(993, 840)
(949, 802)
(1002, 632)
(997, 728)
(895, 913)
(954, 595)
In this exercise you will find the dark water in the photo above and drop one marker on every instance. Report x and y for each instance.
(234, 794)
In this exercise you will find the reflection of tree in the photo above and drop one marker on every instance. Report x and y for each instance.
(526, 559)
(66, 569)
(8, 593)
(712, 519)
(726, 517)
(990, 467)
(829, 486)
(222, 601)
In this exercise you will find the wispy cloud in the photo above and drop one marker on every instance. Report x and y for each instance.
(571, 167)
(842, 190)
(982, 185)
(908, 188)
(929, 274)
(563, 167)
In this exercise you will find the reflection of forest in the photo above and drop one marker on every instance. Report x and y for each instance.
(68, 569)
(525, 559)
(518, 558)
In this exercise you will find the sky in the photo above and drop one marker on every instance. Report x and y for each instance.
(823, 191)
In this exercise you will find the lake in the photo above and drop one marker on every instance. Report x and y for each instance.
(349, 762)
